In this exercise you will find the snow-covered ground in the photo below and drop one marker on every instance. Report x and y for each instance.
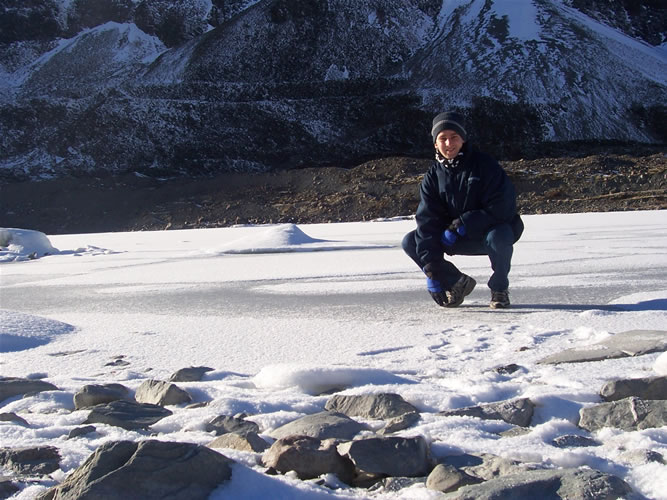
(283, 312)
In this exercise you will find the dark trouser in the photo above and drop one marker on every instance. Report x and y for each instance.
(497, 243)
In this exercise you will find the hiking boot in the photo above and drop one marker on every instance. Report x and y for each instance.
(500, 300)
(460, 290)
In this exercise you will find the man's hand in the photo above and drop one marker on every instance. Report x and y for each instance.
(452, 233)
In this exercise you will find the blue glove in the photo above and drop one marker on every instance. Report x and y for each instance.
(452, 233)
(434, 287)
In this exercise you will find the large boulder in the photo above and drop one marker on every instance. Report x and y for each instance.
(517, 412)
(552, 484)
(629, 414)
(309, 457)
(377, 406)
(389, 456)
(161, 393)
(146, 470)
(642, 388)
(91, 395)
(127, 414)
(248, 441)
(447, 478)
(12, 386)
(323, 425)
(38, 460)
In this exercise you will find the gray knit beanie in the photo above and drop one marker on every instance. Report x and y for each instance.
(450, 120)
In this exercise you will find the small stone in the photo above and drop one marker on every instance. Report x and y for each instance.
(225, 424)
(14, 418)
(81, 431)
(573, 441)
(190, 374)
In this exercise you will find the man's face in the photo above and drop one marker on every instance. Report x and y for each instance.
(448, 143)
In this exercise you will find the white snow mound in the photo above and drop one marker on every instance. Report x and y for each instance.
(660, 365)
(23, 244)
(321, 379)
(19, 331)
(284, 238)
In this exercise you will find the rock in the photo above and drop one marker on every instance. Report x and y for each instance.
(377, 406)
(507, 369)
(573, 441)
(446, 478)
(323, 425)
(514, 432)
(394, 484)
(389, 456)
(10, 387)
(552, 484)
(161, 393)
(620, 345)
(127, 414)
(628, 414)
(248, 441)
(14, 418)
(40, 460)
(643, 457)
(485, 466)
(145, 470)
(7, 488)
(81, 431)
(91, 395)
(642, 388)
(224, 424)
(190, 374)
(309, 457)
(517, 412)
(400, 423)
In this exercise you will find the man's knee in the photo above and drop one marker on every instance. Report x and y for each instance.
(409, 243)
(500, 236)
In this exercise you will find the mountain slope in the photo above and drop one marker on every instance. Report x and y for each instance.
(283, 84)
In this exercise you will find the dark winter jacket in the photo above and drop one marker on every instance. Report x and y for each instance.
(475, 188)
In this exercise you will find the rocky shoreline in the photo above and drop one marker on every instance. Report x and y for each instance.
(354, 441)
(562, 179)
